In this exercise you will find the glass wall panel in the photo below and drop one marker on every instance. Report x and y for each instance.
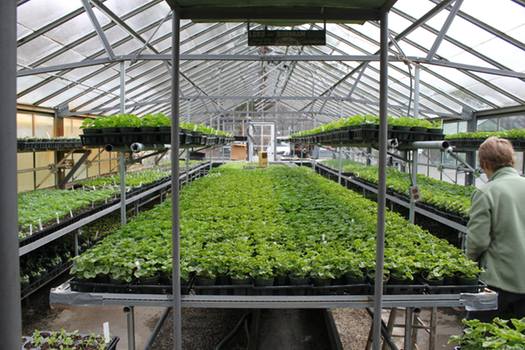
(24, 125)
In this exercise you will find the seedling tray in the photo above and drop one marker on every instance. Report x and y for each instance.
(65, 221)
(55, 272)
(456, 289)
(26, 341)
(51, 145)
(473, 144)
(252, 289)
(95, 287)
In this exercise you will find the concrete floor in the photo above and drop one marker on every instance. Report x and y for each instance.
(203, 329)
(354, 326)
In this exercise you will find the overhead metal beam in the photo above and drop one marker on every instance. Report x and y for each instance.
(435, 10)
(468, 49)
(444, 29)
(254, 98)
(496, 32)
(255, 13)
(495, 112)
(226, 57)
(98, 28)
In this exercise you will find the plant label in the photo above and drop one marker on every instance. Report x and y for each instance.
(107, 337)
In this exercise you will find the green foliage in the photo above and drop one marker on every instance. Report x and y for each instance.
(262, 223)
(443, 195)
(133, 179)
(203, 129)
(63, 340)
(506, 134)
(156, 120)
(148, 120)
(358, 120)
(499, 334)
(42, 207)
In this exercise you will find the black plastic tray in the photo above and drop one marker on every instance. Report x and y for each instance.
(252, 289)
(51, 145)
(111, 346)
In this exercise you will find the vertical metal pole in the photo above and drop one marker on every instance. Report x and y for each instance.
(10, 321)
(390, 325)
(122, 173)
(122, 157)
(340, 155)
(433, 329)
(75, 236)
(416, 90)
(187, 165)
(412, 210)
(130, 318)
(122, 87)
(408, 328)
(177, 314)
(381, 189)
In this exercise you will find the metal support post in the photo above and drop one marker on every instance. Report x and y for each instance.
(472, 126)
(390, 325)
(177, 314)
(368, 156)
(433, 329)
(211, 158)
(381, 188)
(122, 173)
(130, 318)
(408, 328)
(340, 155)
(416, 90)
(122, 87)
(187, 165)
(11, 320)
(75, 236)
(412, 210)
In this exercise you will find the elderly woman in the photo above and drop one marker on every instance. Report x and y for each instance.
(496, 230)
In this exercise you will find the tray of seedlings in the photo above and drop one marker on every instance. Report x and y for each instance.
(49, 340)
(259, 232)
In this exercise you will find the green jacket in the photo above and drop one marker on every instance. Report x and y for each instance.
(496, 230)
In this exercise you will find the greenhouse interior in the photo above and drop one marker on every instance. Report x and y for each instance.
(262, 175)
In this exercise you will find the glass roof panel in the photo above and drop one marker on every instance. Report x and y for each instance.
(36, 49)
(443, 90)
(37, 13)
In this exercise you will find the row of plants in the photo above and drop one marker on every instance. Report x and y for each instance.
(147, 121)
(443, 195)
(513, 134)
(62, 340)
(499, 334)
(44, 264)
(270, 227)
(35, 268)
(359, 120)
(135, 179)
(42, 208)
(364, 130)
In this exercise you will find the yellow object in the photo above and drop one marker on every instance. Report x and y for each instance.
(263, 159)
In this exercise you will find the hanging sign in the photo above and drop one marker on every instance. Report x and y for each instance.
(286, 37)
